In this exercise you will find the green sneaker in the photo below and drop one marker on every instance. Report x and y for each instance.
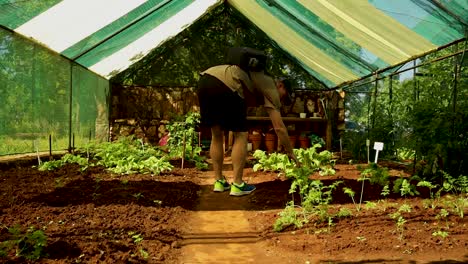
(243, 189)
(221, 186)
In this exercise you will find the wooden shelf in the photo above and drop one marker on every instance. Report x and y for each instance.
(318, 125)
(288, 119)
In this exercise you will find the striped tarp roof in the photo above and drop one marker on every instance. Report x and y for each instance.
(337, 41)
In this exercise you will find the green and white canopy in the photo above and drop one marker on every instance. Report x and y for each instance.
(337, 41)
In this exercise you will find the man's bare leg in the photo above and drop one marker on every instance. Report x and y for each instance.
(216, 151)
(239, 154)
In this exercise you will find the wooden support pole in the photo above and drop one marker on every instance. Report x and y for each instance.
(183, 152)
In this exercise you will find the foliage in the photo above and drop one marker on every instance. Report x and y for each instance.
(66, 159)
(405, 187)
(442, 234)
(405, 154)
(400, 222)
(178, 61)
(124, 156)
(315, 196)
(375, 174)
(351, 194)
(424, 117)
(183, 129)
(29, 244)
(315, 139)
(289, 216)
(270, 162)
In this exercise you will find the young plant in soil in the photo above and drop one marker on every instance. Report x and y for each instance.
(183, 139)
(400, 221)
(443, 214)
(351, 194)
(433, 198)
(29, 244)
(372, 173)
(315, 197)
(124, 156)
(137, 239)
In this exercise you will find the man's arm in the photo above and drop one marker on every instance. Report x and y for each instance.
(281, 132)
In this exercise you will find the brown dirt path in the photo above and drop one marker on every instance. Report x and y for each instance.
(219, 230)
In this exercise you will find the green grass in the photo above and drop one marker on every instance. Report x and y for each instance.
(10, 145)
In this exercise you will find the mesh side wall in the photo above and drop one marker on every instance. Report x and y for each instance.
(89, 110)
(35, 98)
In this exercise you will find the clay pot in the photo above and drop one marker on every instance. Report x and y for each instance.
(270, 142)
(256, 140)
(293, 139)
(304, 142)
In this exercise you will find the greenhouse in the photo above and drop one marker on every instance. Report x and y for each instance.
(103, 154)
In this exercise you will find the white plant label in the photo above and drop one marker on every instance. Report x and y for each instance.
(378, 146)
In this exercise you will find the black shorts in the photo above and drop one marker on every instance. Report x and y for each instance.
(219, 105)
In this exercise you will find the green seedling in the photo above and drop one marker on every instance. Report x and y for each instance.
(400, 223)
(351, 194)
(443, 214)
(440, 233)
(405, 208)
(385, 191)
(370, 205)
(137, 238)
(30, 244)
(138, 195)
(361, 238)
(344, 212)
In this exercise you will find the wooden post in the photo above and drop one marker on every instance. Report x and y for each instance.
(183, 152)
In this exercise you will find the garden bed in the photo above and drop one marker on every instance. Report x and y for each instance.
(98, 217)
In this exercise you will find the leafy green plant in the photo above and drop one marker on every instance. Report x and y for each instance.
(137, 238)
(457, 186)
(270, 162)
(440, 233)
(127, 155)
(289, 216)
(123, 156)
(375, 173)
(321, 161)
(404, 187)
(370, 205)
(315, 139)
(443, 214)
(314, 195)
(29, 244)
(344, 212)
(405, 208)
(66, 159)
(385, 191)
(351, 194)
(457, 205)
(430, 186)
(405, 154)
(183, 139)
(400, 223)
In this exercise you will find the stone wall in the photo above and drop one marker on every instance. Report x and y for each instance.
(144, 111)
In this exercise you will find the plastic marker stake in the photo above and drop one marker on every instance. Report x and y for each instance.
(368, 144)
(378, 146)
